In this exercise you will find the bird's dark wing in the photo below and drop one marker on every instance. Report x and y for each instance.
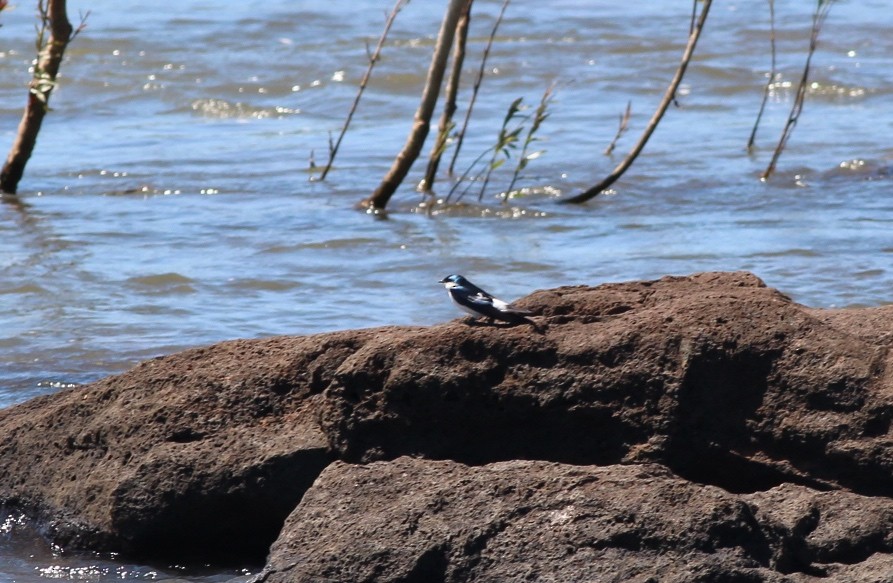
(491, 307)
(507, 308)
(473, 289)
(482, 303)
(499, 305)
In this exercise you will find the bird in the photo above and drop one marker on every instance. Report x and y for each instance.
(480, 304)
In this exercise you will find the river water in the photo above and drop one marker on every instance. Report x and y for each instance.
(169, 203)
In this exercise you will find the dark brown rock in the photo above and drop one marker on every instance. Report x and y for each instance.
(418, 520)
(724, 380)
(728, 395)
(198, 455)
(817, 533)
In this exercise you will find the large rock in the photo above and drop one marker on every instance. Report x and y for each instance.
(722, 379)
(413, 520)
(719, 380)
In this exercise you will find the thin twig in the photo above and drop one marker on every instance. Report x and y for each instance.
(373, 59)
(460, 136)
(81, 25)
(539, 116)
(691, 28)
(505, 141)
(621, 129)
(462, 178)
(508, 141)
(655, 119)
(818, 19)
(768, 88)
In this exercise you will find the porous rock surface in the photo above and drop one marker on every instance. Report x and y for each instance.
(414, 520)
(701, 428)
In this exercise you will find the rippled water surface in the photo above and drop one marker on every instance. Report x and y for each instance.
(168, 203)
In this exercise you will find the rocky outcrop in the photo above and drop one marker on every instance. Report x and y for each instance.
(692, 427)
(723, 380)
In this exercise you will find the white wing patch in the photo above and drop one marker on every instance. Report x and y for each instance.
(499, 304)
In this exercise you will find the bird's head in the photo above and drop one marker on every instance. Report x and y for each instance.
(453, 281)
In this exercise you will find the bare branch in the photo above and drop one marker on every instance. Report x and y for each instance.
(460, 136)
(818, 19)
(449, 108)
(768, 88)
(655, 119)
(81, 25)
(50, 50)
(422, 120)
(333, 149)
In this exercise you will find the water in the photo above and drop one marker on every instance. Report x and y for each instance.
(168, 203)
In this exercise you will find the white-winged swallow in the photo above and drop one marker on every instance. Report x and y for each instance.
(480, 304)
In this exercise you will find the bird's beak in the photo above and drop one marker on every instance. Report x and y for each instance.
(442, 280)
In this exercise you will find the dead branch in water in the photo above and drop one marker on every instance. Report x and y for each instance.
(768, 88)
(53, 36)
(449, 108)
(422, 120)
(818, 19)
(373, 59)
(460, 135)
(655, 119)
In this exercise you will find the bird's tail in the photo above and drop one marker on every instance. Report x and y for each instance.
(521, 317)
